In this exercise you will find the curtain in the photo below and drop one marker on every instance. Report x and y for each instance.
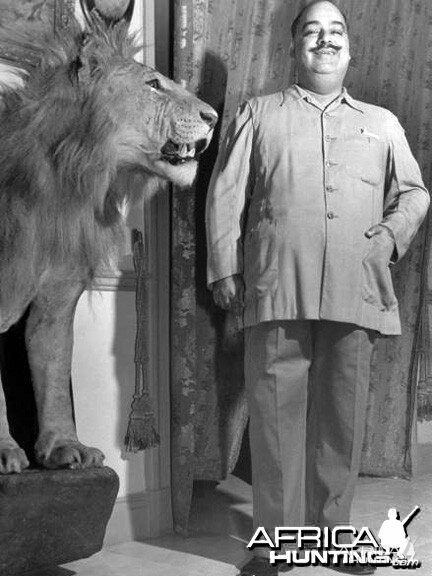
(424, 352)
(227, 51)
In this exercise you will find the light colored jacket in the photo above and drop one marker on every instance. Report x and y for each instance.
(292, 194)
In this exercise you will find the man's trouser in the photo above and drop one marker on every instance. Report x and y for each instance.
(307, 384)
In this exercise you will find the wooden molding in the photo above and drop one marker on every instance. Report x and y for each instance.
(140, 516)
(121, 281)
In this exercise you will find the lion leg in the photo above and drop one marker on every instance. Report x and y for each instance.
(49, 341)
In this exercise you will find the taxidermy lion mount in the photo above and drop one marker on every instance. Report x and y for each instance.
(87, 132)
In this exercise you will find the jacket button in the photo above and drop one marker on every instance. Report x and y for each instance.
(328, 138)
(331, 215)
(329, 188)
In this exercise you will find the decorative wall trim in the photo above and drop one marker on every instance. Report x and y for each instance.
(140, 516)
(117, 281)
(149, 514)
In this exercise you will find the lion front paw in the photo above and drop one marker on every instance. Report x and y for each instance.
(12, 458)
(73, 455)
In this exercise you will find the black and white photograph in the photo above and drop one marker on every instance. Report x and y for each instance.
(215, 287)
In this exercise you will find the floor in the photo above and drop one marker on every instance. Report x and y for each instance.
(221, 526)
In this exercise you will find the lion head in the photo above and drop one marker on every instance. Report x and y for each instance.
(87, 130)
(159, 126)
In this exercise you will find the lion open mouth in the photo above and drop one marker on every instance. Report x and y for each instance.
(180, 153)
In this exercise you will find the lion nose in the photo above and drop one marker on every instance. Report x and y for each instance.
(209, 116)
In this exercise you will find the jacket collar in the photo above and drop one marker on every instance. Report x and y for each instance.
(295, 93)
(356, 104)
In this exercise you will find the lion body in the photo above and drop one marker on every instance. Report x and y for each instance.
(85, 134)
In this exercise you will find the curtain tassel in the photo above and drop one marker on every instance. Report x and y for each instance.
(141, 432)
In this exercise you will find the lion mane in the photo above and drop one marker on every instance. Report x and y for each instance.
(61, 191)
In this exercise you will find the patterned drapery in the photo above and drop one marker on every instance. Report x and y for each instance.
(227, 51)
(16, 13)
(424, 349)
(38, 16)
(42, 13)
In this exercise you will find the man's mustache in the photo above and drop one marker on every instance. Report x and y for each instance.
(326, 45)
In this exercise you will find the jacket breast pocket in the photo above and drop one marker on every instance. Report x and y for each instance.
(363, 159)
(261, 261)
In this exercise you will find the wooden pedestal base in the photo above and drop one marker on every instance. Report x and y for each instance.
(50, 517)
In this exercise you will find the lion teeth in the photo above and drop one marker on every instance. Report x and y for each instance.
(185, 152)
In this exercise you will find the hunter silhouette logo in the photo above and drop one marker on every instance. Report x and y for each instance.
(341, 545)
(393, 534)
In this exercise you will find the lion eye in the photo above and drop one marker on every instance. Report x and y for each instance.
(155, 84)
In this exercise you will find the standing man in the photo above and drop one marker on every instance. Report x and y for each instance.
(313, 195)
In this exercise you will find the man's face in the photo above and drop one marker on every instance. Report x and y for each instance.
(321, 45)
